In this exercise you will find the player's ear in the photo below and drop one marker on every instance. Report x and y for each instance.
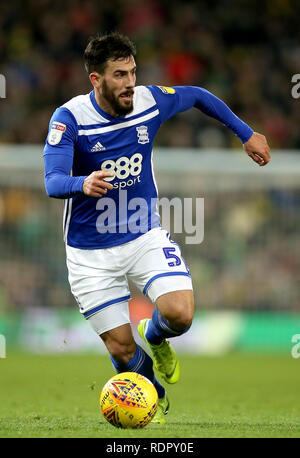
(95, 79)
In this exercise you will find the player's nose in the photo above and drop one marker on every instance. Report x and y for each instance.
(130, 82)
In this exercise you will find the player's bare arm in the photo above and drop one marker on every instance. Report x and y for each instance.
(258, 149)
(94, 185)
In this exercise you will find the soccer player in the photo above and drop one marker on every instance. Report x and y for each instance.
(98, 157)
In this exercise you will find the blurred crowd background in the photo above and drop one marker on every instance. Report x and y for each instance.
(243, 51)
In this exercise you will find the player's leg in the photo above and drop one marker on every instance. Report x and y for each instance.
(172, 316)
(161, 273)
(125, 354)
(102, 294)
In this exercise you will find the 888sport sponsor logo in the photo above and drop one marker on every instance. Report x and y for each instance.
(127, 170)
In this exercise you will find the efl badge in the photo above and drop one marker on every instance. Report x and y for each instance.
(142, 133)
(56, 132)
(167, 90)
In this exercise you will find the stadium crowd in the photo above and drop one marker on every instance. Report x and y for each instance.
(246, 54)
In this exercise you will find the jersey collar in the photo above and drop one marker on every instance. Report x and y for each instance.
(102, 112)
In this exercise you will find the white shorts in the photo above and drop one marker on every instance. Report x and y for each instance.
(99, 278)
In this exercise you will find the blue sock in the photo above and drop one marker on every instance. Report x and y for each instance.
(159, 329)
(142, 364)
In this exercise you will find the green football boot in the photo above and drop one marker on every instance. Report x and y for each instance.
(162, 410)
(164, 357)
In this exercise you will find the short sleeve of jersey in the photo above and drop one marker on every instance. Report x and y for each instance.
(172, 100)
(62, 133)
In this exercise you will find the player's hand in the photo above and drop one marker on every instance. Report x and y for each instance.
(95, 186)
(258, 149)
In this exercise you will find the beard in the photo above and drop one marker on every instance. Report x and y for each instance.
(114, 101)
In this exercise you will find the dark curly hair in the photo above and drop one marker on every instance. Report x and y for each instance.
(102, 48)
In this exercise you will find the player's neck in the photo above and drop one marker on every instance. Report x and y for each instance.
(105, 105)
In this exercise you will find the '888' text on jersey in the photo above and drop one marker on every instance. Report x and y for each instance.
(83, 138)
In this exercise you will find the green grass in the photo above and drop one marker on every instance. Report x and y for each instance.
(237, 395)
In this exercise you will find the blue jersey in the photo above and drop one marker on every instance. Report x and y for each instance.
(83, 138)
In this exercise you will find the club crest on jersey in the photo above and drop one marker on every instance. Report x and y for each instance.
(167, 90)
(56, 132)
(142, 133)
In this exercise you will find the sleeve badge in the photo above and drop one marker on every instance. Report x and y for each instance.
(167, 90)
(56, 133)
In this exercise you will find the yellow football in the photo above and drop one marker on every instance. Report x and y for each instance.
(128, 400)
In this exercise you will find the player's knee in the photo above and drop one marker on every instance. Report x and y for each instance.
(177, 308)
(180, 322)
(180, 317)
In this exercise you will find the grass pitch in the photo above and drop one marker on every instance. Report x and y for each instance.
(237, 395)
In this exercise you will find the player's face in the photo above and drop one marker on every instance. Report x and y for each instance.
(117, 86)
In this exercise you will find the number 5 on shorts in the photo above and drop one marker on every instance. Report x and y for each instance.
(169, 254)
